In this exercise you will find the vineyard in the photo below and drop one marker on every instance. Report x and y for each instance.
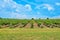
(29, 29)
(29, 23)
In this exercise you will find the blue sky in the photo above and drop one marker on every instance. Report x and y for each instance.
(26, 9)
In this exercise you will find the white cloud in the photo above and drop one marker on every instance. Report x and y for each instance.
(17, 15)
(37, 7)
(7, 0)
(58, 17)
(45, 6)
(28, 7)
(38, 13)
(58, 4)
(49, 7)
(11, 6)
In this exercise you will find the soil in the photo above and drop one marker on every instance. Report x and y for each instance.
(35, 25)
(28, 25)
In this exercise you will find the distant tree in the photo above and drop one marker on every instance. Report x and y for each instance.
(0, 18)
(47, 18)
(39, 18)
(32, 18)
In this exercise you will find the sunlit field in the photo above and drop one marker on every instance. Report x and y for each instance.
(31, 29)
(30, 34)
(29, 20)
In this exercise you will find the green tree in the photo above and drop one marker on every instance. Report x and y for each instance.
(47, 18)
(0, 18)
(32, 18)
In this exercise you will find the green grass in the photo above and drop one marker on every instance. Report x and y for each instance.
(30, 34)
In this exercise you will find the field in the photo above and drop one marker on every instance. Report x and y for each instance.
(30, 23)
(30, 29)
(30, 34)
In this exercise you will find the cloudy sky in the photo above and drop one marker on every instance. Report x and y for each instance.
(22, 9)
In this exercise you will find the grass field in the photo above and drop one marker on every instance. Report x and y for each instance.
(30, 34)
(29, 29)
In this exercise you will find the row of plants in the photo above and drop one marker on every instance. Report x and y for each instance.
(12, 23)
(49, 22)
